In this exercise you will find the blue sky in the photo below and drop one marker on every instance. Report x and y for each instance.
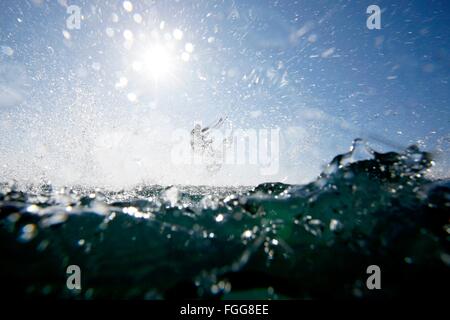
(309, 68)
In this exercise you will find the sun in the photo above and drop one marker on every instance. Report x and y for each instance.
(156, 61)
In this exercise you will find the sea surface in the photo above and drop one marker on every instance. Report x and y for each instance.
(271, 241)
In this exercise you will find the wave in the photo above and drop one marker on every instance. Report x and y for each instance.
(275, 240)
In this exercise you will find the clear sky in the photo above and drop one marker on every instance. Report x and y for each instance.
(98, 104)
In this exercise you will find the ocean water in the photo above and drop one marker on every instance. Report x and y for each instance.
(271, 241)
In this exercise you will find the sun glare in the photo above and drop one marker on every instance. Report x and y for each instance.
(156, 62)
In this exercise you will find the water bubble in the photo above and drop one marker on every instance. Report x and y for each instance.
(219, 218)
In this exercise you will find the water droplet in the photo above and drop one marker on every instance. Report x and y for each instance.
(445, 258)
(28, 232)
(54, 219)
(33, 209)
(336, 225)
(66, 34)
(189, 47)
(132, 97)
(110, 32)
(214, 289)
(128, 6)
(96, 66)
(247, 234)
(185, 56)
(7, 50)
(313, 226)
(43, 245)
(177, 34)
(115, 17)
(137, 18)
(122, 83)
(128, 35)
(327, 53)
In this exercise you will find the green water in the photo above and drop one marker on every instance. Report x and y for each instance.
(273, 241)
